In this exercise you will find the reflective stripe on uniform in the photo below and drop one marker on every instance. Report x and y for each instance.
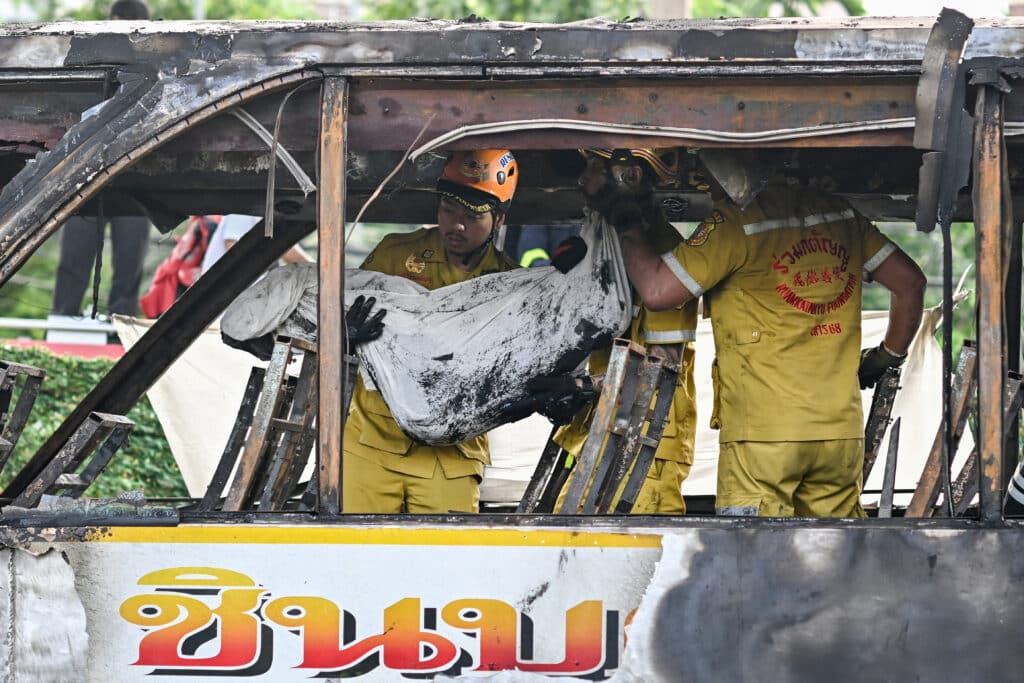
(797, 222)
(669, 336)
(636, 310)
(1016, 488)
(872, 263)
(677, 269)
(531, 255)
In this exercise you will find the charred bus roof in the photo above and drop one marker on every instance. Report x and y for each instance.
(835, 98)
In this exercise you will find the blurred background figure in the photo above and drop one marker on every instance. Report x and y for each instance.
(82, 239)
(232, 228)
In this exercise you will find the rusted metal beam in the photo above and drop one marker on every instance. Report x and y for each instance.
(989, 223)
(226, 464)
(965, 488)
(331, 221)
(110, 430)
(657, 418)
(623, 365)
(928, 486)
(1012, 309)
(389, 114)
(889, 478)
(542, 473)
(262, 434)
(878, 417)
(12, 422)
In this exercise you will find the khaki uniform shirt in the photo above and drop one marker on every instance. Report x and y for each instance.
(371, 432)
(781, 281)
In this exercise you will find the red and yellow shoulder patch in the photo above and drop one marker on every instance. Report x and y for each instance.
(415, 264)
(704, 230)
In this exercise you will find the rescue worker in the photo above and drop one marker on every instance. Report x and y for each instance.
(385, 471)
(670, 334)
(781, 280)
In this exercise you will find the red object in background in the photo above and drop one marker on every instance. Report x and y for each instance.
(77, 350)
(181, 268)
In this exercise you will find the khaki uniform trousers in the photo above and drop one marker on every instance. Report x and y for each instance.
(794, 478)
(370, 487)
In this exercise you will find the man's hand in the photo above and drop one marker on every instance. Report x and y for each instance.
(874, 362)
(671, 353)
(360, 325)
(622, 204)
(557, 397)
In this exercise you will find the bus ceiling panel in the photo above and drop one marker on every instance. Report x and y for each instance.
(38, 114)
(391, 114)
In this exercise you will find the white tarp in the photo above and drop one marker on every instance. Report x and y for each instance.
(449, 359)
(196, 399)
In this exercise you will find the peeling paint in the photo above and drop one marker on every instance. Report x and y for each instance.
(45, 636)
(881, 45)
(642, 52)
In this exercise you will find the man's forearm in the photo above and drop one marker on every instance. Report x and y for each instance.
(658, 288)
(904, 318)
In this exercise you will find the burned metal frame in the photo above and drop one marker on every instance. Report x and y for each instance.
(380, 83)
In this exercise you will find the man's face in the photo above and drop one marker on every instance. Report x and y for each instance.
(464, 231)
(594, 177)
(603, 184)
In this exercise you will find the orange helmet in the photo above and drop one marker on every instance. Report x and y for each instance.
(664, 162)
(481, 180)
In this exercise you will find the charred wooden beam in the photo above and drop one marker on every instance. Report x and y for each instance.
(991, 234)
(331, 200)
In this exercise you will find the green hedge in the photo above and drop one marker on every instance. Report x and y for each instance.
(145, 462)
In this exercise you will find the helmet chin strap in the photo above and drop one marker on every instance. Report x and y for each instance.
(480, 250)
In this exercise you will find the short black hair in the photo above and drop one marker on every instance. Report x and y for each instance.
(129, 9)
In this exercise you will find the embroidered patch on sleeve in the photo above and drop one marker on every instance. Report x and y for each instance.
(704, 230)
(413, 264)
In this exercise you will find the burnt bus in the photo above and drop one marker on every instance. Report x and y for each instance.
(911, 120)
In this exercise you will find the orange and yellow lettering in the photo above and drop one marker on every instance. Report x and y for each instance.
(175, 617)
(584, 641)
(319, 620)
(197, 577)
(401, 644)
(404, 639)
(496, 622)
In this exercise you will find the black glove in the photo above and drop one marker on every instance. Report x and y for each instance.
(557, 397)
(261, 347)
(874, 362)
(621, 206)
(360, 325)
(626, 214)
(568, 253)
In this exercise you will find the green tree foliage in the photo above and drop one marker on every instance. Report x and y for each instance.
(145, 462)
(94, 10)
(505, 10)
(27, 294)
(573, 10)
(765, 8)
